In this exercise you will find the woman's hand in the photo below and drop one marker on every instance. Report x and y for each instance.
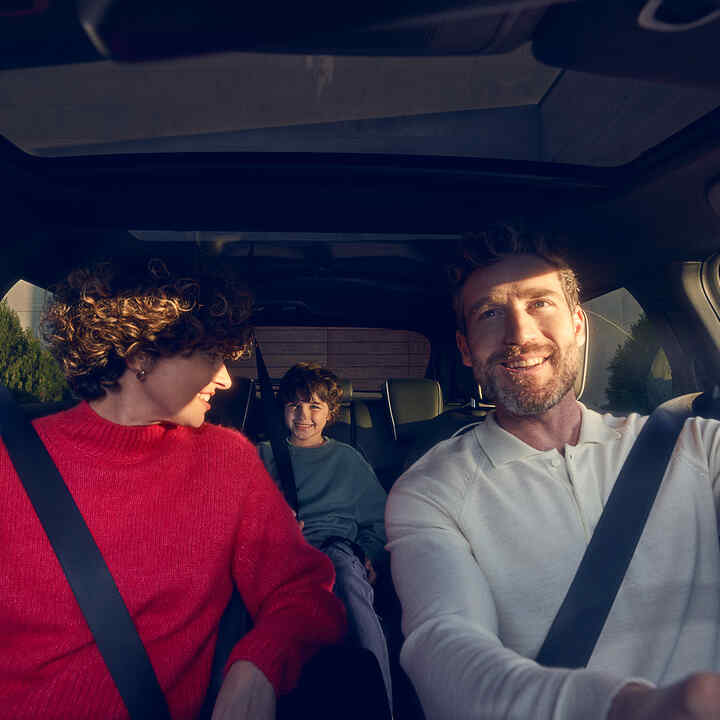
(246, 694)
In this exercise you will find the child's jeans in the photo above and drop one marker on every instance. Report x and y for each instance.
(356, 593)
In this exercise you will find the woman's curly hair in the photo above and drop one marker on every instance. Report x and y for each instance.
(104, 314)
(304, 380)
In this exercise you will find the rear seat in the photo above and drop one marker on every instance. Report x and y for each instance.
(231, 408)
(411, 403)
(345, 426)
(365, 424)
(420, 419)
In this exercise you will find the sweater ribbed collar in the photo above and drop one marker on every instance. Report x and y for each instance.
(91, 434)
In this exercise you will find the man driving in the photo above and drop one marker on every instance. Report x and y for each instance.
(487, 530)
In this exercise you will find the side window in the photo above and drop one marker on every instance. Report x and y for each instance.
(26, 366)
(366, 356)
(628, 370)
(29, 302)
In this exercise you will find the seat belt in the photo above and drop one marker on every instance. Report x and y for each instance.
(575, 630)
(277, 432)
(234, 624)
(89, 577)
(353, 426)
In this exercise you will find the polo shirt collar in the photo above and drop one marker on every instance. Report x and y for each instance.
(594, 429)
(502, 447)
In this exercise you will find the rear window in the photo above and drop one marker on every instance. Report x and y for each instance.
(366, 356)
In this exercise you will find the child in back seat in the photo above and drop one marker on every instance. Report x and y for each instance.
(341, 503)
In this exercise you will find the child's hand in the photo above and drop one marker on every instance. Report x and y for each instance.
(301, 523)
(371, 574)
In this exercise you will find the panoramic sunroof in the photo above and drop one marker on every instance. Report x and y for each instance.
(496, 106)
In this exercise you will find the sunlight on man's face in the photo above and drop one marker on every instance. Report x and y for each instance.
(522, 339)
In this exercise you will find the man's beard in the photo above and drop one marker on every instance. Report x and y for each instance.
(522, 395)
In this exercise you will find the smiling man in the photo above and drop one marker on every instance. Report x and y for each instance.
(487, 530)
(522, 329)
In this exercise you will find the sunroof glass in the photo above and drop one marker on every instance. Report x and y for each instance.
(499, 107)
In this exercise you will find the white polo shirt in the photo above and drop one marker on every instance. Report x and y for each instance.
(486, 534)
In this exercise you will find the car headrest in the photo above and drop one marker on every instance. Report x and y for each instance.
(584, 352)
(411, 400)
(347, 390)
(231, 407)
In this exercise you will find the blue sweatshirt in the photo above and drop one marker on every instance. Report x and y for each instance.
(338, 494)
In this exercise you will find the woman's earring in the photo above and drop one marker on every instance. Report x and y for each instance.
(140, 375)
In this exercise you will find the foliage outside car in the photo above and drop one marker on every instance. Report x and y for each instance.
(26, 367)
(639, 373)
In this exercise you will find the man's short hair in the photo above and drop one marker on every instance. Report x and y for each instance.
(304, 380)
(496, 242)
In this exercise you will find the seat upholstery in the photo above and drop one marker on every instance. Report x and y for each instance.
(341, 429)
(584, 353)
(371, 435)
(346, 402)
(411, 401)
(231, 407)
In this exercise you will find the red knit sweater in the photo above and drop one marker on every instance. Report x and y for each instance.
(177, 514)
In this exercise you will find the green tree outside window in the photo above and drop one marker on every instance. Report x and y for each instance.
(639, 373)
(26, 367)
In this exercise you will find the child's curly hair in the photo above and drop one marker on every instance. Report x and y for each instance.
(104, 314)
(304, 380)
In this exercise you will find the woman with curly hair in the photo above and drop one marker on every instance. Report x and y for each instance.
(180, 509)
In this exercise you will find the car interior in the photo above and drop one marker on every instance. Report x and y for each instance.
(331, 157)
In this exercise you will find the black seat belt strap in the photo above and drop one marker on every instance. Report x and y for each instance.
(234, 624)
(88, 575)
(582, 615)
(277, 432)
(353, 426)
